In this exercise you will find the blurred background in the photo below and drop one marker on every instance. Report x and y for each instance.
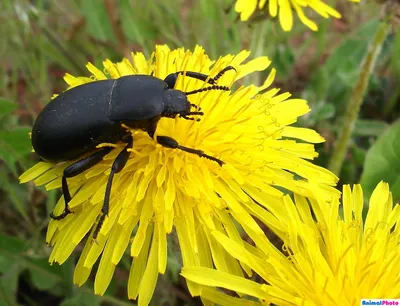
(42, 40)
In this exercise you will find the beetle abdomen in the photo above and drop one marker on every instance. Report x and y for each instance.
(75, 122)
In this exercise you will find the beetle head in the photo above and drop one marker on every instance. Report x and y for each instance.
(177, 104)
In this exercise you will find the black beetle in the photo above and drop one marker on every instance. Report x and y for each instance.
(74, 123)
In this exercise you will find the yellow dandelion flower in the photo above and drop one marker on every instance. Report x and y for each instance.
(285, 9)
(335, 257)
(162, 188)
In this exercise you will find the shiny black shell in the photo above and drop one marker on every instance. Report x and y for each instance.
(81, 118)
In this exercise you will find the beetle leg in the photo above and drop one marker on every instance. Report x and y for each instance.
(171, 143)
(204, 77)
(171, 78)
(119, 163)
(75, 169)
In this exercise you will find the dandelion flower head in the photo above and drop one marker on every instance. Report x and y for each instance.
(162, 189)
(285, 9)
(335, 258)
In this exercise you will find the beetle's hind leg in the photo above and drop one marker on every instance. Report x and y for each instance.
(119, 163)
(171, 143)
(75, 169)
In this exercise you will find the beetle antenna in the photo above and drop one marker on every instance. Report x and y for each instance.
(222, 72)
(213, 87)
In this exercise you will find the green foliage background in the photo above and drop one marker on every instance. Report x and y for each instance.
(41, 40)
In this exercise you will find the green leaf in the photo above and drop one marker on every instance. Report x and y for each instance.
(369, 127)
(319, 84)
(6, 262)
(83, 298)
(383, 162)
(15, 192)
(396, 55)
(98, 24)
(6, 107)
(352, 48)
(359, 155)
(283, 60)
(9, 284)
(130, 24)
(14, 145)
(343, 65)
(12, 245)
(320, 111)
(9, 159)
(17, 140)
(43, 275)
(10, 267)
(52, 52)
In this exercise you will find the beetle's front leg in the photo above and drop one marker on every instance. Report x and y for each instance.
(171, 143)
(75, 169)
(119, 163)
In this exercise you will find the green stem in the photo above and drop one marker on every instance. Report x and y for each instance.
(353, 108)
